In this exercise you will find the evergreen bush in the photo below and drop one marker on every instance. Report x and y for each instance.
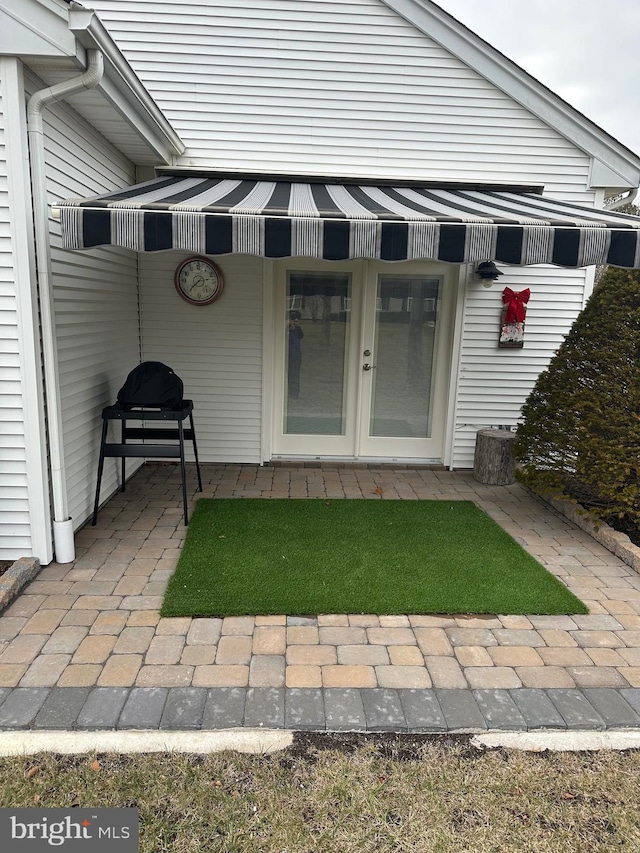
(580, 434)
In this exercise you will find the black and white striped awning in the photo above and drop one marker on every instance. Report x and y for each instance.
(339, 221)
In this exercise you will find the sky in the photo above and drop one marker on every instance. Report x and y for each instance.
(586, 51)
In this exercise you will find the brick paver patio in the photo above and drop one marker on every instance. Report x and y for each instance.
(95, 623)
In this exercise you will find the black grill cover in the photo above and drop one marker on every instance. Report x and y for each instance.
(153, 384)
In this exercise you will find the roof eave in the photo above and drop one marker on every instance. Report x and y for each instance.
(123, 90)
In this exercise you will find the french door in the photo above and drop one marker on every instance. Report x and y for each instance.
(362, 359)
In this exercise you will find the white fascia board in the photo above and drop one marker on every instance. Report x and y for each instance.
(36, 28)
(123, 89)
(521, 86)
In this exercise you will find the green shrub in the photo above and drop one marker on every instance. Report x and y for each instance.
(580, 433)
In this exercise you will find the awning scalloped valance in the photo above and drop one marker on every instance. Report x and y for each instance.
(340, 221)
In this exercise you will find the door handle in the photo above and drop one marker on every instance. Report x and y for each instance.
(368, 366)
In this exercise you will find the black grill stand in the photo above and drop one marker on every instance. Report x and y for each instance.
(121, 413)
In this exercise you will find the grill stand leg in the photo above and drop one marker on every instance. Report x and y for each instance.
(183, 471)
(195, 449)
(123, 435)
(105, 425)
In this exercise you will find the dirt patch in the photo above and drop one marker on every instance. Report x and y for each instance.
(389, 745)
(4, 565)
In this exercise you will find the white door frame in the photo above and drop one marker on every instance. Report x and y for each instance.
(431, 448)
(361, 271)
(314, 446)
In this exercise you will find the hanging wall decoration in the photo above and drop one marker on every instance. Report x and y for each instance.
(514, 311)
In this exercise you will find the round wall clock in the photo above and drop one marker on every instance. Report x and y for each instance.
(198, 280)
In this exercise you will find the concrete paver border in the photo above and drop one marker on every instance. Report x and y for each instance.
(618, 543)
(204, 709)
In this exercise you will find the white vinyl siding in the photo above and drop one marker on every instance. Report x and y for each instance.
(96, 303)
(23, 489)
(15, 533)
(215, 349)
(326, 87)
(494, 383)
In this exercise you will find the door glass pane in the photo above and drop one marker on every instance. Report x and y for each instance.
(318, 315)
(405, 331)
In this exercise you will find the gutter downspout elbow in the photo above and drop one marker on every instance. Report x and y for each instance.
(62, 525)
(89, 79)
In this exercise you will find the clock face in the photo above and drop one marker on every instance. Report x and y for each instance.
(199, 281)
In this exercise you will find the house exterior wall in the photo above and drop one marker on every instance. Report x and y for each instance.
(335, 87)
(24, 498)
(215, 349)
(493, 383)
(351, 88)
(95, 299)
(15, 532)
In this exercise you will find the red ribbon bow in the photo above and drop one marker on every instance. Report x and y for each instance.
(515, 303)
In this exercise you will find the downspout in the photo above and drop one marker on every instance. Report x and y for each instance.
(63, 541)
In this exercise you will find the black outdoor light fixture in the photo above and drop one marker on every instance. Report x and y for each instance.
(487, 270)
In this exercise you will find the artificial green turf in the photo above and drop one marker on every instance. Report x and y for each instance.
(305, 557)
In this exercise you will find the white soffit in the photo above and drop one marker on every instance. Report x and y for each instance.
(123, 89)
(622, 165)
(113, 115)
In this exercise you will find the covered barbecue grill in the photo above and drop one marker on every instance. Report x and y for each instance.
(151, 392)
